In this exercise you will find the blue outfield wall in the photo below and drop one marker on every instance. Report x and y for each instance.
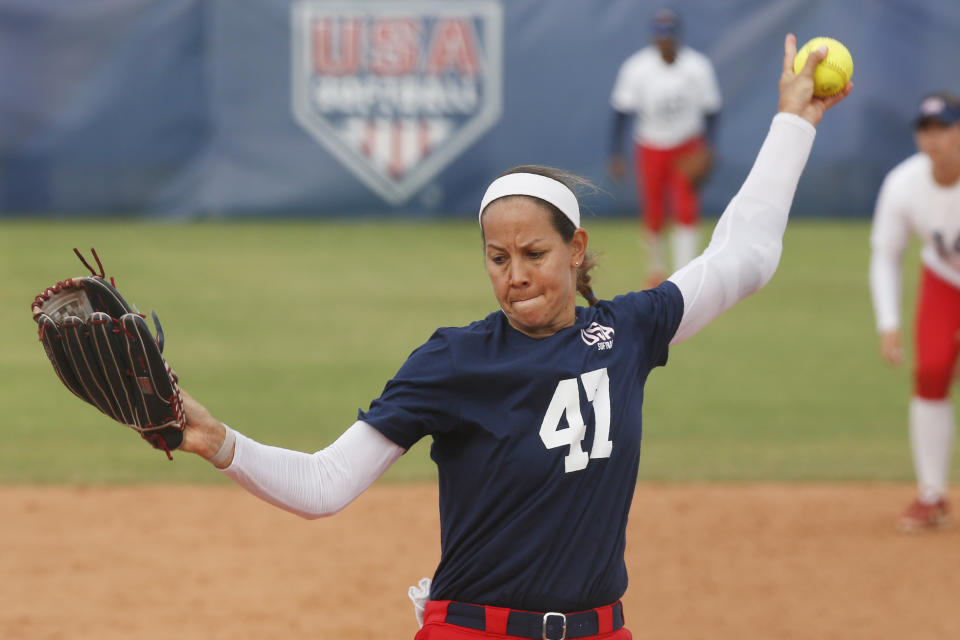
(214, 108)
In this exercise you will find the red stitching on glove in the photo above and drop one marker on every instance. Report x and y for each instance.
(102, 273)
(49, 291)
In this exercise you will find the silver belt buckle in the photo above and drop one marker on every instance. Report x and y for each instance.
(546, 616)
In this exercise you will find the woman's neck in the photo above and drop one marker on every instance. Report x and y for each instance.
(947, 174)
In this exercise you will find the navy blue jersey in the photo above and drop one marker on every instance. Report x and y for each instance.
(537, 444)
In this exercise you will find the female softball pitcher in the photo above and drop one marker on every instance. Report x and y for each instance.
(535, 410)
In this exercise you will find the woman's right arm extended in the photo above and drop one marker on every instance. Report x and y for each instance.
(311, 485)
(745, 248)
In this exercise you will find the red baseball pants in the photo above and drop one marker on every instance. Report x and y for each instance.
(935, 332)
(658, 180)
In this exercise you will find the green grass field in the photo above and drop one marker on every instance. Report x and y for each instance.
(285, 329)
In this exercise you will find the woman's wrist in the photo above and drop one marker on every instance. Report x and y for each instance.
(210, 439)
(223, 456)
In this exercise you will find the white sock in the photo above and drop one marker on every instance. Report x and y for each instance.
(686, 243)
(931, 439)
(655, 262)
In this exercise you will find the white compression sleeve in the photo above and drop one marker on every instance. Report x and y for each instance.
(746, 244)
(318, 484)
(886, 284)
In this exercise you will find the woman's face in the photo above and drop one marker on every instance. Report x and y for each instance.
(667, 47)
(939, 141)
(532, 269)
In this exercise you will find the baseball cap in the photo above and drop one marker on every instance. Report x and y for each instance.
(665, 23)
(942, 107)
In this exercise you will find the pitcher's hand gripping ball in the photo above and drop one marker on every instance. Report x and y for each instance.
(831, 75)
(102, 351)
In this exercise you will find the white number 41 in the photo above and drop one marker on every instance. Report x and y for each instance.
(566, 400)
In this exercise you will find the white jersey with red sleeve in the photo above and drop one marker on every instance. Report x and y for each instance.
(670, 100)
(911, 202)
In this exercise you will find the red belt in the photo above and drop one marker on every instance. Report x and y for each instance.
(526, 624)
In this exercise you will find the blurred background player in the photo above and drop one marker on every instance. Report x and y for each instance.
(673, 92)
(921, 196)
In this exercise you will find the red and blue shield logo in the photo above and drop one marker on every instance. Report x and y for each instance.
(397, 90)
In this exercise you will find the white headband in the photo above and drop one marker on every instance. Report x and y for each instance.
(532, 184)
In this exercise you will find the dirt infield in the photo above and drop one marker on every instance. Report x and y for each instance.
(711, 562)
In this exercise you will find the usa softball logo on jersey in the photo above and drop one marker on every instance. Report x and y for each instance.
(597, 334)
(397, 90)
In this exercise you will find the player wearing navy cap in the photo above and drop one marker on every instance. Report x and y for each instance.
(921, 196)
(535, 410)
(671, 91)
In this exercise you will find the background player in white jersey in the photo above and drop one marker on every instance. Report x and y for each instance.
(535, 411)
(672, 92)
(921, 196)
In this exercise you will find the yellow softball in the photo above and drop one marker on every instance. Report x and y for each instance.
(831, 75)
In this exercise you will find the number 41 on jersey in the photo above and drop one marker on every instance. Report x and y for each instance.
(566, 401)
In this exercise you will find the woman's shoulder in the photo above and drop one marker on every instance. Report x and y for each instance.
(665, 292)
(916, 165)
(448, 336)
(642, 57)
(640, 307)
(449, 345)
(689, 55)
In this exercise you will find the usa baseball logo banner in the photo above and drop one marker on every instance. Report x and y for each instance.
(397, 90)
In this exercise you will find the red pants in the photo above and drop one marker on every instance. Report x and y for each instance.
(936, 329)
(435, 627)
(658, 179)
